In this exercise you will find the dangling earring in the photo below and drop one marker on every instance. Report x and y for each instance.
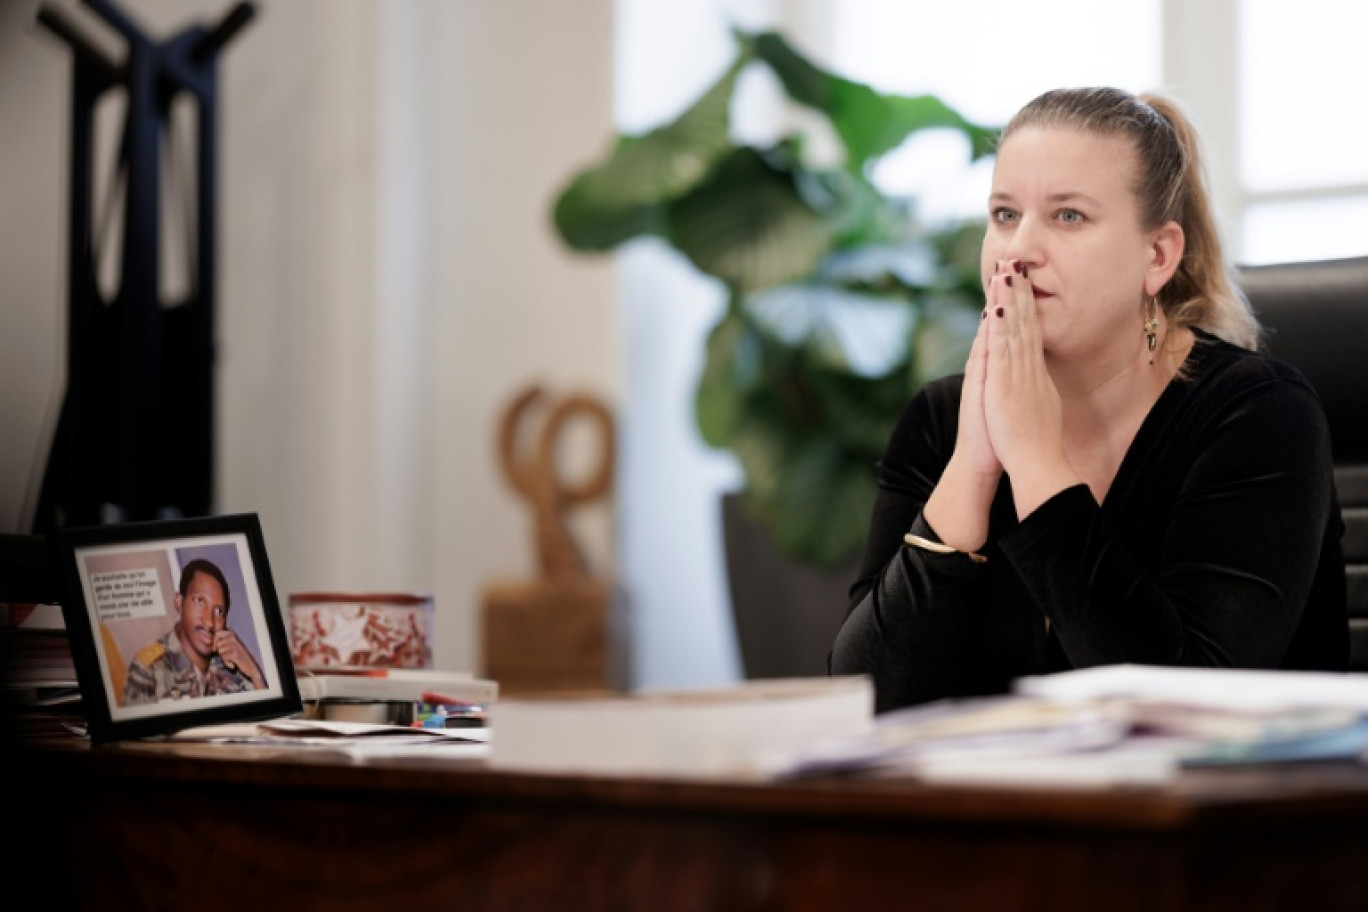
(1152, 327)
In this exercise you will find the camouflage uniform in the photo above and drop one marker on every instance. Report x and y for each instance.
(162, 671)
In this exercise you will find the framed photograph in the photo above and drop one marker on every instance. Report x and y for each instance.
(174, 624)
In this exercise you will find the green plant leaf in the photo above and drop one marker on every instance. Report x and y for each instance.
(748, 226)
(623, 197)
(807, 438)
(942, 338)
(859, 213)
(586, 224)
(761, 446)
(820, 512)
(861, 411)
(730, 370)
(869, 123)
(909, 113)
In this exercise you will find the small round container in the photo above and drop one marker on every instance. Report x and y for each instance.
(340, 631)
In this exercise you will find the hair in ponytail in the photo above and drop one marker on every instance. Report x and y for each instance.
(1170, 185)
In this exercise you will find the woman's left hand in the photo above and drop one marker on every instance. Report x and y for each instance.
(1021, 404)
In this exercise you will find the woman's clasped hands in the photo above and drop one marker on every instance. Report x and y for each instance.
(1011, 415)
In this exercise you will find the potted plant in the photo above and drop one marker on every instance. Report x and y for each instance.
(840, 304)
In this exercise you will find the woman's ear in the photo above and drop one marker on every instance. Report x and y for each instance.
(1166, 252)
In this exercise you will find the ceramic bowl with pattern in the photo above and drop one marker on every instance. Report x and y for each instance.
(338, 631)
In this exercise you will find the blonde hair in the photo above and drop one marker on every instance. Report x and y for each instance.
(1170, 185)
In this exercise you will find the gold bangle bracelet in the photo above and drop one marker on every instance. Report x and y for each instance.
(926, 544)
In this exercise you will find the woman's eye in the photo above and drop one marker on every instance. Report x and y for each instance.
(1070, 216)
(1003, 214)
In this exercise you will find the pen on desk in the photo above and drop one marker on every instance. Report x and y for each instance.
(439, 699)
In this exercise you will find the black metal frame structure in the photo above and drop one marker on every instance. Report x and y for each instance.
(135, 437)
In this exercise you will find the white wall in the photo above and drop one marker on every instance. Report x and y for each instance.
(388, 277)
(33, 130)
(511, 304)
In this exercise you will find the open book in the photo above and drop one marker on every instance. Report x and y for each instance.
(746, 730)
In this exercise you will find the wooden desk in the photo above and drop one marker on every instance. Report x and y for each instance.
(205, 828)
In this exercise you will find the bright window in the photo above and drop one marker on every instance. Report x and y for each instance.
(986, 58)
(1301, 80)
(1302, 161)
(1305, 229)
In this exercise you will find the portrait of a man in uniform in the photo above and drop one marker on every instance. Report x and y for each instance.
(200, 656)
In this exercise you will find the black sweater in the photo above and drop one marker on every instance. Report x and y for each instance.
(1218, 543)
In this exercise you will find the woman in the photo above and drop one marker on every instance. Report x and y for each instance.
(1118, 475)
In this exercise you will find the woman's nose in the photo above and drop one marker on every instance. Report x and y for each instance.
(1024, 246)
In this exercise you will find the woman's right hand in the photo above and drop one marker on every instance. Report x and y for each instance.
(973, 445)
(958, 507)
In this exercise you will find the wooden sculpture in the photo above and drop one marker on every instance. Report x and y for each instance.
(555, 632)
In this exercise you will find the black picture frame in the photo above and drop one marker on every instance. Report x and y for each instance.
(120, 587)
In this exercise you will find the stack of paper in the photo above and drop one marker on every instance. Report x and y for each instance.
(1228, 715)
(1010, 739)
(1229, 690)
(1109, 726)
(357, 740)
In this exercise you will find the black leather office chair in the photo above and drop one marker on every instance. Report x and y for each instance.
(1316, 317)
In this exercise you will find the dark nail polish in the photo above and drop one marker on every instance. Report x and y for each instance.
(984, 315)
(1007, 280)
(1018, 268)
(999, 311)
